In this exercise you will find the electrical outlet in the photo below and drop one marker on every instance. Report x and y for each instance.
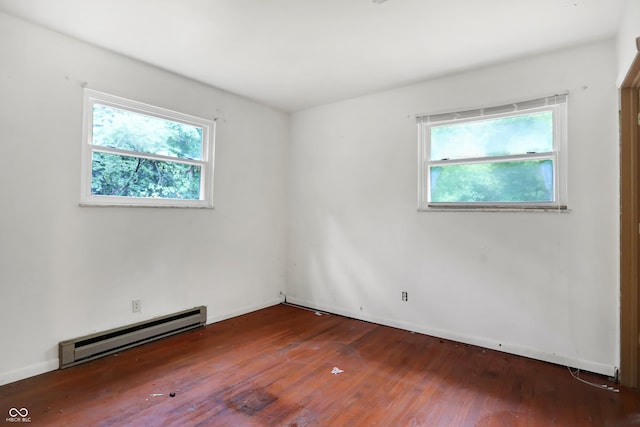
(136, 306)
(405, 296)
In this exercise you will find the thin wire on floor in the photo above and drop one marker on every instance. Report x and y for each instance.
(576, 375)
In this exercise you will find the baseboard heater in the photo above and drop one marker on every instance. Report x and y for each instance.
(83, 349)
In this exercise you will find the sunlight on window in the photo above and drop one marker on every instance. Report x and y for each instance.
(503, 156)
(505, 136)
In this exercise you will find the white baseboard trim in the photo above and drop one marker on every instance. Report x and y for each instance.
(587, 365)
(217, 317)
(559, 359)
(28, 371)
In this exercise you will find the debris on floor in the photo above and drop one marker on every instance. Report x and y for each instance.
(336, 371)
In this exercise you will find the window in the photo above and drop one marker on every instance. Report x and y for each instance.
(135, 154)
(510, 156)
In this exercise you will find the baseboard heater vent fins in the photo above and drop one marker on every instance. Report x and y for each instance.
(83, 349)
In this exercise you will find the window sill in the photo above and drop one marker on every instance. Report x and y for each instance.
(493, 208)
(144, 205)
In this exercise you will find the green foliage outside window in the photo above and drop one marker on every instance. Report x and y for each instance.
(478, 176)
(116, 175)
(523, 181)
(131, 176)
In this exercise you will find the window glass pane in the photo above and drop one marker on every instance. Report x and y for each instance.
(519, 134)
(521, 181)
(116, 175)
(126, 130)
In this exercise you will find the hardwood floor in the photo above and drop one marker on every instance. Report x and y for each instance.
(274, 368)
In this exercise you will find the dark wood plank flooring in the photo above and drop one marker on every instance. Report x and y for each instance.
(273, 368)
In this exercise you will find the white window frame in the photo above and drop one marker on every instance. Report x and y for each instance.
(92, 97)
(556, 103)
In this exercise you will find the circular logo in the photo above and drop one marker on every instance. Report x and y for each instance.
(15, 412)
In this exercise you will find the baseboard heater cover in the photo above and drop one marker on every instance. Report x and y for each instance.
(90, 347)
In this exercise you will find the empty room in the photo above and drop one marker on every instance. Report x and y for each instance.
(319, 213)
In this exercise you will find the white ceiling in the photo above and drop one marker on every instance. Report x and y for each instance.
(294, 54)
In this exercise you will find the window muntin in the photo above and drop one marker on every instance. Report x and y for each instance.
(136, 154)
(507, 156)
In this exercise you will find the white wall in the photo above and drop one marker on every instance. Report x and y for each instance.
(540, 284)
(66, 271)
(537, 284)
(628, 31)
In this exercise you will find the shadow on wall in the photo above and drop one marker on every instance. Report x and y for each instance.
(468, 274)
